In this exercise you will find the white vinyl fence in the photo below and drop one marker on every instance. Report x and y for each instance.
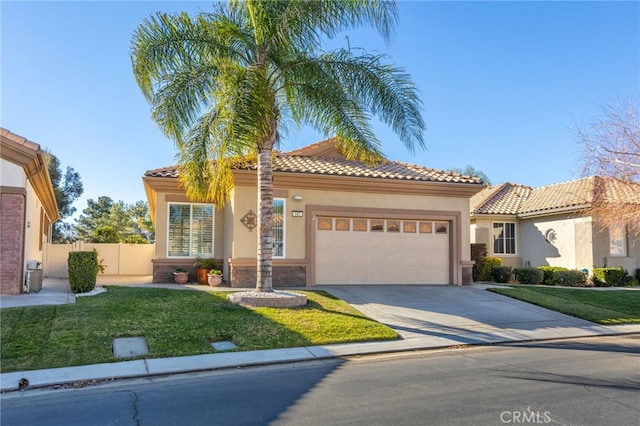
(119, 259)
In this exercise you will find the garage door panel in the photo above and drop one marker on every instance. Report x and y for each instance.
(382, 257)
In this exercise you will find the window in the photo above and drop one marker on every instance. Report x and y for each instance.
(278, 227)
(504, 238)
(617, 241)
(190, 230)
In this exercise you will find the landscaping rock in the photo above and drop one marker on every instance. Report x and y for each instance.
(271, 299)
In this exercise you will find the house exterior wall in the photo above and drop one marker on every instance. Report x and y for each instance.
(21, 227)
(12, 213)
(483, 232)
(570, 249)
(235, 246)
(163, 266)
(34, 233)
(293, 269)
(28, 208)
(603, 258)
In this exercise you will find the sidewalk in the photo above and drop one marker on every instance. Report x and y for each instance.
(466, 331)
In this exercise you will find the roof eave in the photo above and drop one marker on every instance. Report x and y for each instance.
(553, 211)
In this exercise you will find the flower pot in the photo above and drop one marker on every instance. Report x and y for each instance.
(214, 280)
(202, 275)
(181, 277)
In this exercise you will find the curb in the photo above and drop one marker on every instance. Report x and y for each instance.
(33, 379)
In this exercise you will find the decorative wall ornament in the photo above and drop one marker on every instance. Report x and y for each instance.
(249, 220)
(550, 236)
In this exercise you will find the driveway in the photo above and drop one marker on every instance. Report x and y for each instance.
(459, 315)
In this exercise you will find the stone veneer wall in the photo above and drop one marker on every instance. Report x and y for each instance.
(12, 216)
(283, 276)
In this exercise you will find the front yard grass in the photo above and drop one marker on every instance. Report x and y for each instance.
(175, 323)
(610, 307)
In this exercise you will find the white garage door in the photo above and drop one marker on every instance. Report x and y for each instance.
(381, 251)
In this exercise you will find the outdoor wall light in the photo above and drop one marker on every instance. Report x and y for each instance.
(297, 197)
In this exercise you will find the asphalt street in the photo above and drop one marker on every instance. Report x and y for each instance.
(590, 381)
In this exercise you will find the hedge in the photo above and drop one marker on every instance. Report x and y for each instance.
(570, 278)
(83, 270)
(502, 274)
(548, 271)
(611, 277)
(528, 275)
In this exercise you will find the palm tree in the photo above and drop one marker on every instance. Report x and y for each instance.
(223, 85)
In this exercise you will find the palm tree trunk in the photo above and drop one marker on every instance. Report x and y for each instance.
(265, 220)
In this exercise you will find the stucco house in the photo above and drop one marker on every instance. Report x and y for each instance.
(336, 222)
(550, 225)
(28, 208)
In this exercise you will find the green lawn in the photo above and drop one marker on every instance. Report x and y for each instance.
(609, 307)
(175, 323)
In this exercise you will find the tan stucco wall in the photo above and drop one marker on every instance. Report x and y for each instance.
(32, 237)
(602, 258)
(571, 249)
(483, 232)
(245, 199)
(162, 225)
(11, 174)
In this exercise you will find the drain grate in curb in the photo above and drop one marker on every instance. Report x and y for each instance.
(223, 346)
(126, 347)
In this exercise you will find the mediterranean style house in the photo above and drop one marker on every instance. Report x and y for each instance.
(336, 221)
(551, 225)
(28, 208)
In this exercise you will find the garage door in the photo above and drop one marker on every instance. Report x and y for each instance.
(381, 251)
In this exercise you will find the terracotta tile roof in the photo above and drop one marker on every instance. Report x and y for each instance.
(328, 164)
(507, 198)
(621, 191)
(19, 139)
(575, 194)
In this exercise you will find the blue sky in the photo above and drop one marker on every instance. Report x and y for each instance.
(502, 84)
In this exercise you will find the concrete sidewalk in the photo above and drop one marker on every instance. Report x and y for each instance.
(426, 317)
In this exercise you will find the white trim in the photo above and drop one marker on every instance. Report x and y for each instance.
(515, 238)
(213, 229)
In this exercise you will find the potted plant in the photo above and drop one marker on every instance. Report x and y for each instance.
(180, 276)
(203, 266)
(214, 277)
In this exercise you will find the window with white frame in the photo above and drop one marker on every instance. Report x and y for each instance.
(617, 241)
(504, 238)
(190, 230)
(278, 227)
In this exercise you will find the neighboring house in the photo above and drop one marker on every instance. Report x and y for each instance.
(28, 209)
(336, 222)
(551, 225)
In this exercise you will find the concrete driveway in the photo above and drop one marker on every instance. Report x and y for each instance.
(460, 315)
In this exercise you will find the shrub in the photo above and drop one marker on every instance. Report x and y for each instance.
(486, 266)
(83, 270)
(548, 271)
(570, 278)
(637, 275)
(478, 254)
(611, 277)
(502, 274)
(528, 275)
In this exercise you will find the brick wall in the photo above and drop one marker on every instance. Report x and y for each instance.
(12, 214)
(283, 276)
